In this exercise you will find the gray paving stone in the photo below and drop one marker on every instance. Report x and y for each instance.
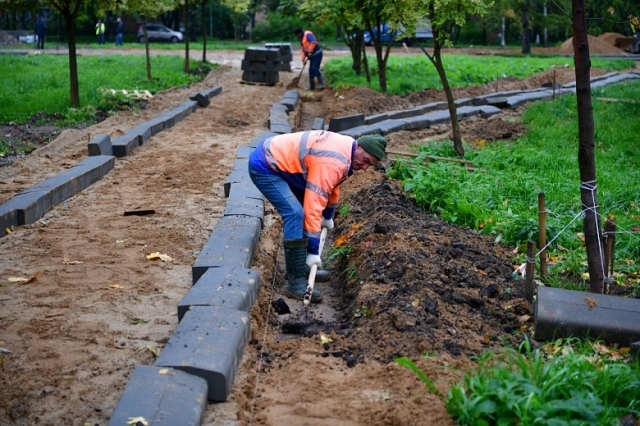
(438, 117)
(125, 144)
(163, 397)
(156, 125)
(167, 119)
(235, 177)
(201, 99)
(103, 164)
(412, 112)
(30, 205)
(264, 66)
(232, 288)
(433, 106)
(239, 204)
(390, 126)
(318, 124)
(498, 101)
(144, 130)
(261, 136)
(208, 343)
(467, 111)
(280, 128)
(248, 189)
(232, 243)
(417, 123)
(244, 151)
(241, 164)
(487, 111)
(338, 124)
(356, 132)
(214, 91)
(8, 218)
(462, 102)
(515, 101)
(373, 119)
(100, 145)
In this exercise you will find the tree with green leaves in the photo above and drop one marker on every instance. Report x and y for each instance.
(146, 9)
(443, 15)
(240, 15)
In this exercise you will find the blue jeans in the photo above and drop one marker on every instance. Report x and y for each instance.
(314, 66)
(100, 38)
(119, 39)
(280, 195)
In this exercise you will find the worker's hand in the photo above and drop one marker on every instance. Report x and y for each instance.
(327, 223)
(313, 259)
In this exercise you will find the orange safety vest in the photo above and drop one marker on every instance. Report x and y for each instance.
(317, 161)
(309, 44)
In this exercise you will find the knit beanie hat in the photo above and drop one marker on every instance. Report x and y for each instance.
(374, 145)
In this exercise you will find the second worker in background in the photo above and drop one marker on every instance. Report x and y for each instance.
(311, 52)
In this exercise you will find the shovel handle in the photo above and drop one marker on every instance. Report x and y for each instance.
(314, 269)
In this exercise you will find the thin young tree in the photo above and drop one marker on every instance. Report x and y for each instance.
(586, 156)
(443, 15)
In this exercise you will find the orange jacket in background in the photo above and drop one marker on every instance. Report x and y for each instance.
(315, 162)
(309, 44)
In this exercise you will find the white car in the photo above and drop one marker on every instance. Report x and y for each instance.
(158, 32)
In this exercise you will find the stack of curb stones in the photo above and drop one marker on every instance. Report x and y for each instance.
(31, 204)
(261, 65)
(286, 54)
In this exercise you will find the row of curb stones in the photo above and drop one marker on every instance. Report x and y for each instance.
(424, 116)
(200, 360)
(29, 205)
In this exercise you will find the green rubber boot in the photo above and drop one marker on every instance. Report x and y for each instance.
(295, 257)
(320, 82)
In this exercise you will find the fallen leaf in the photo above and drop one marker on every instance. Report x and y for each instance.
(158, 255)
(324, 339)
(8, 230)
(355, 226)
(136, 321)
(415, 303)
(23, 280)
(136, 420)
(164, 371)
(120, 241)
(116, 286)
(66, 261)
(524, 318)
(340, 240)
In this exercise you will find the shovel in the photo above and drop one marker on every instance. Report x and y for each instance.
(294, 82)
(297, 327)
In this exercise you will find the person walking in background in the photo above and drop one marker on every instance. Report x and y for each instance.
(311, 51)
(100, 31)
(40, 30)
(300, 174)
(119, 31)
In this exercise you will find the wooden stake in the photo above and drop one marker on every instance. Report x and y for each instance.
(609, 244)
(530, 271)
(542, 233)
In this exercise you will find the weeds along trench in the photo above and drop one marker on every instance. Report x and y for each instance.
(405, 283)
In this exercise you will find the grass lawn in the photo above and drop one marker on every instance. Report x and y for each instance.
(41, 82)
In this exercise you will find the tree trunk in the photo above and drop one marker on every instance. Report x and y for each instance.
(185, 18)
(526, 42)
(146, 46)
(73, 60)
(586, 155)
(355, 46)
(204, 31)
(455, 125)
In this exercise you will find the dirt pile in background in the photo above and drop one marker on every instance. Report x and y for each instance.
(610, 38)
(596, 46)
(7, 39)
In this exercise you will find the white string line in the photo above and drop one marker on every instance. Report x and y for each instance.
(591, 187)
(264, 338)
(580, 214)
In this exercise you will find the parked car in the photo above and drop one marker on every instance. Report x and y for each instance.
(158, 32)
(423, 34)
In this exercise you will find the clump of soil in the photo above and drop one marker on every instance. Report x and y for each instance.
(414, 284)
(596, 46)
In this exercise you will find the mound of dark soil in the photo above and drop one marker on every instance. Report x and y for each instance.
(415, 284)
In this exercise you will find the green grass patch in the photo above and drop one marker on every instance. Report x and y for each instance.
(414, 73)
(503, 202)
(565, 383)
(41, 82)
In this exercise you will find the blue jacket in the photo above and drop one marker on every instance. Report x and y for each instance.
(41, 27)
